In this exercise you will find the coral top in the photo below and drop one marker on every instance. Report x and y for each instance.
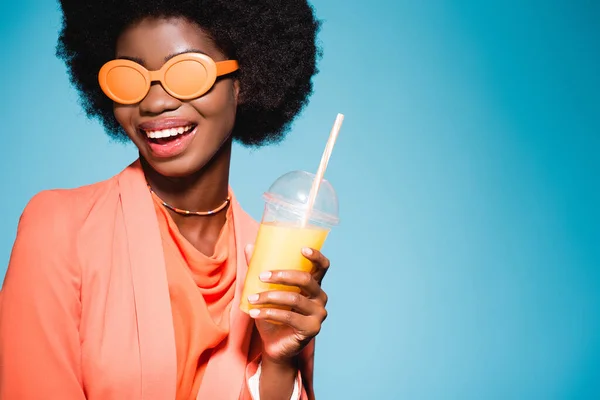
(201, 289)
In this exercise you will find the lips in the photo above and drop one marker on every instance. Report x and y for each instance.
(165, 123)
(168, 137)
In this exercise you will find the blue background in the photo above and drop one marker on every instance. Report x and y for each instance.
(467, 265)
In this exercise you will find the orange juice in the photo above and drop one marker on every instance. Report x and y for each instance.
(278, 247)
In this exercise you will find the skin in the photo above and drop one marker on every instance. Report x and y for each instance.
(198, 179)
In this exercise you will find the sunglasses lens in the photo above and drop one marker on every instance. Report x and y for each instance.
(127, 84)
(188, 79)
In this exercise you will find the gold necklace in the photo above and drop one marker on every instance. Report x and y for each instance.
(188, 212)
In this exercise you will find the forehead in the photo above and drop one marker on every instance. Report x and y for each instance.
(153, 40)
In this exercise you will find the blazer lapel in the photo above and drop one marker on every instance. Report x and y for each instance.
(152, 302)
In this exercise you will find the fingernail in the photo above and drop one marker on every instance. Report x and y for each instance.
(252, 298)
(264, 276)
(307, 252)
(254, 312)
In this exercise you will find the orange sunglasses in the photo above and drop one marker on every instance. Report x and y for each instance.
(186, 76)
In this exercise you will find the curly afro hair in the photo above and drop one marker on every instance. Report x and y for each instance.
(274, 42)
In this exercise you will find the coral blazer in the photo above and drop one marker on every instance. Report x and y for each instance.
(85, 310)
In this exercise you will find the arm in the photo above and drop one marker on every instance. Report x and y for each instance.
(303, 378)
(40, 307)
(277, 379)
(262, 378)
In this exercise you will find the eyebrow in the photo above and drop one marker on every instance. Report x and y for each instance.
(167, 58)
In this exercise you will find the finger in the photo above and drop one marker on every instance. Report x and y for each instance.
(320, 263)
(295, 301)
(303, 280)
(248, 250)
(306, 326)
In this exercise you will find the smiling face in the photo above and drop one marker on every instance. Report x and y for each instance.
(177, 138)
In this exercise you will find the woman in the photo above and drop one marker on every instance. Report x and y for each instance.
(129, 288)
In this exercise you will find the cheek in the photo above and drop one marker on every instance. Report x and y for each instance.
(123, 115)
(220, 102)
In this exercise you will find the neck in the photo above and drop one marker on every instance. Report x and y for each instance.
(203, 190)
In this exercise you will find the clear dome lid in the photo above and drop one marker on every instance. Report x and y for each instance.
(292, 190)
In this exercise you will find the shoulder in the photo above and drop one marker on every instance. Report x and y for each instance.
(47, 234)
(58, 211)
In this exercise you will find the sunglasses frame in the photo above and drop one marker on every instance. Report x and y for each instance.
(213, 70)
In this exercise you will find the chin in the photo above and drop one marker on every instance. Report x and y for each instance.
(179, 167)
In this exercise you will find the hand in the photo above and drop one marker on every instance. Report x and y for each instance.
(293, 329)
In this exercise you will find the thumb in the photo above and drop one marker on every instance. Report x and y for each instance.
(248, 250)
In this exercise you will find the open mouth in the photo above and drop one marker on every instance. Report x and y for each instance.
(169, 135)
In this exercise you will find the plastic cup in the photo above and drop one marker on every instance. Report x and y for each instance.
(286, 228)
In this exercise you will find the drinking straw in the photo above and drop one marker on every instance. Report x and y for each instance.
(335, 130)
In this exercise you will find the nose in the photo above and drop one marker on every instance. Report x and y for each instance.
(158, 101)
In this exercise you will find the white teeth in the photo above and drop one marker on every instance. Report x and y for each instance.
(168, 132)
